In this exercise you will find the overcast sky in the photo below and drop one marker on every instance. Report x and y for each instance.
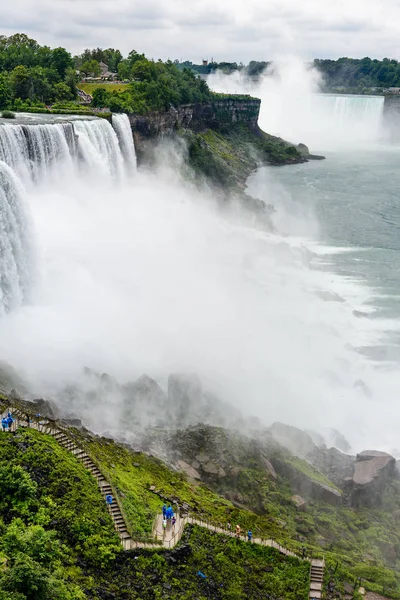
(233, 30)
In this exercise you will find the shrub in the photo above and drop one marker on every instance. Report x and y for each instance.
(8, 114)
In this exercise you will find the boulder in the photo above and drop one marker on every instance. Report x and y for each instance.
(299, 502)
(303, 484)
(213, 469)
(297, 441)
(336, 465)
(268, 465)
(372, 471)
(190, 471)
(45, 408)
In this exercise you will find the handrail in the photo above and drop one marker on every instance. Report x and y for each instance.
(54, 425)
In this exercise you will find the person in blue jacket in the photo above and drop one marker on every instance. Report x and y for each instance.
(164, 510)
(4, 423)
(109, 499)
(10, 421)
(249, 535)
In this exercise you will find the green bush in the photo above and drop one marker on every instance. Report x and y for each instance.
(8, 114)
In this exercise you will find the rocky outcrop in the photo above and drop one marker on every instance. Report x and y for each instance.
(299, 503)
(336, 465)
(188, 469)
(45, 408)
(144, 403)
(297, 441)
(195, 116)
(372, 471)
(305, 485)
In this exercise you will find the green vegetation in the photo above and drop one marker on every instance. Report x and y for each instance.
(57, 540)
(8, 114)
(154, 86)
(51, 517)
(226, 156)
(37, 76)
(359, 75)
(89, 88)
(232, 569)
(32, 72)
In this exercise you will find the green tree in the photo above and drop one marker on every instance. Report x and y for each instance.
(62, 92)
(91, 68)
(71, 79)
(101, 98)
(61, 61)
(5, 90)
(18, 491)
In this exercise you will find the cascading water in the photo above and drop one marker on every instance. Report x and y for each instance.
(292, 107)
(16, 248)
(38, 153)
(150, 279)
(32, 150)
(99, 148)
(123, 130)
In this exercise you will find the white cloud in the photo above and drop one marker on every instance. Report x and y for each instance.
(226, 30)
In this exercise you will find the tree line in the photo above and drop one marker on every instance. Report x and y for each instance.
(32, 75)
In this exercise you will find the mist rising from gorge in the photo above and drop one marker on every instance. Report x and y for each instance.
(293, 107)
(145, 275)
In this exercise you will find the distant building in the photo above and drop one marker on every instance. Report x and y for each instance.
(394, 90)
(105, 73)
(205, 62)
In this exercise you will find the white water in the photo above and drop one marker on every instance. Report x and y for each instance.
(16, 247)
(122, 128)
(144, 275)
(99, 148)
(292, 107)
(33, 150)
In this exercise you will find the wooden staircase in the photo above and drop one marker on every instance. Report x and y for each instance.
(105, 488)
(316, 579)
(165, 539)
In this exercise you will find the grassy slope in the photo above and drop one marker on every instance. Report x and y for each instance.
(68, 503)
(110, 87)
(363, 542)
(227, 156)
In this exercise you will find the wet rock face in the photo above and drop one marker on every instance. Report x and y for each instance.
(336, 465)
(304, 485)
(144, 403)
(297, 441)
(372, 471)
(45, 408)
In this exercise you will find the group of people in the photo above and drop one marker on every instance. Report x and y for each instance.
(7, 422)
(238, 532)
(168, 516)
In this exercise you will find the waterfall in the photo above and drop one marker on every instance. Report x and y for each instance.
(349, 111)
(33, 150)
(33, 154)
(99, 148)
(16, 252)
(123, 130)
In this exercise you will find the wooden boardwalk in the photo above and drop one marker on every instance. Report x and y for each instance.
(162, 538)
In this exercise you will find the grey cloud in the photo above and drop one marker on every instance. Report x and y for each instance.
(228, 30)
